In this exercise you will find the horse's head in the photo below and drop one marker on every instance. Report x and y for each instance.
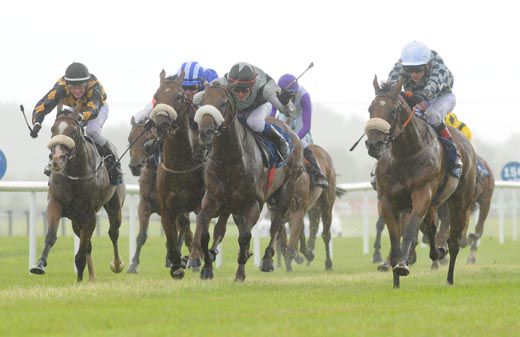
(384, 116)
(217, 111)
(171, 103)
(66, 134)
(137, 155)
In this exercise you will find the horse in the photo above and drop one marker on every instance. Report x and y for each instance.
(180, 182)
(307, 197)
(236, 179)
(143, 165)
(483, 193)
(412, 180)
(78, 187)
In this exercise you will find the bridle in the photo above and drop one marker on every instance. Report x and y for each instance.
(396, 111)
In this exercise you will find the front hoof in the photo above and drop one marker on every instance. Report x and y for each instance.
(377, 258)
(299, 259)
(473, 238)
(310, 256)
(117, 267)
(435, 265)
(213, 254)
(184, 262)
(239, 278)
(206, 274)
(402, 269)
(384, 267)
(177, 273)
(194, 263)
(132, 269)
(267, 266)
(37, 270)
(442, 252)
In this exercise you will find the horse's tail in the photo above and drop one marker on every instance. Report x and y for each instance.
(340, 191)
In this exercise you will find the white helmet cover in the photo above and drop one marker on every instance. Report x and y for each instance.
(415, 54)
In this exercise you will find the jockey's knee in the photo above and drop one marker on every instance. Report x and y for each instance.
(256, 124)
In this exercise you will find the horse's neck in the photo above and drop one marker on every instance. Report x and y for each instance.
(230, 143)
(412, 140)
(85, 159)
(177, 148)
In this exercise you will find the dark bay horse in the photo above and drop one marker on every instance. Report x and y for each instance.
(78, 187)
(483, 193)
(410, 177)
(236, 180)
(143, 165)
(306, 198)
(180, 182)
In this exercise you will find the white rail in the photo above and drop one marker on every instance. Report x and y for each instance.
(34, 187)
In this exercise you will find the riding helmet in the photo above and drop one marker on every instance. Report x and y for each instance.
(193, 74)
(77, 73)
(242, 73)
(415, 54)
(288, 82)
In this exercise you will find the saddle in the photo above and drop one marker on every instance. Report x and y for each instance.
(268, 150)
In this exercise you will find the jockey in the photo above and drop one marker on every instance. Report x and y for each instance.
(300, 122)
(452, 120)
(429, 81)
(82, 91)
(195, 80)
(256, 93)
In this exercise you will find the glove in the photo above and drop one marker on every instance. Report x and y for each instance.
(284, 96)
(289, 110)
(148, 124)
(415, 99)
(35, 129)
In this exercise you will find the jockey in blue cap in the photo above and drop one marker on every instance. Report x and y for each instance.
(300, 122)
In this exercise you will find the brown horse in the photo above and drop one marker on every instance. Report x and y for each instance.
(411, 178)
(483, 194)
(78, 187)
(236, 180)
(143, 166)
(180, 182)
(307, 197)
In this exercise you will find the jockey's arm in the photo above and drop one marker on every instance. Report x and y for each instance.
(441, 81)
(94, 103)
(395, 74)
(49, 102)
(306, 115)
(269, 92)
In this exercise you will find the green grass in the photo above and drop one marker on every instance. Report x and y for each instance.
(353, 300)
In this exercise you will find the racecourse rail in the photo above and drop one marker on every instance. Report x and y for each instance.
(33, 187)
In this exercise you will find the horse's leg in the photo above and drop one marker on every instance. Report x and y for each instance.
(326, 218)
(296, 226)
(169, 218)
(250, 218)
(276, 226)
(281, 245)
(308, 254)
(144, 214)
(394, 232)
(85, 233)
(483, 211)
(314, 225)
(90, 264)
(218, 234)
(429, 229)
(380, 225)
(53, 220)
(183, 223)
(458, 221)
(113, 209)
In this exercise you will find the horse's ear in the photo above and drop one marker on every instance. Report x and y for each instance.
(376, 85)
(162, 75)
(397, 88)
(181, 76)
(132, 121)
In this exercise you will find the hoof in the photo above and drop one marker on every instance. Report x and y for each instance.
(117, 268)
(267, 266)
(442, 252)
(194, 263)
(184, 262)
(132, 269)
(206, 273)
(384, 267)
(328, 266)
(309, 256)
(473, 238)
(37, 270)
(299, 259)
(444, 261)
(213, 254)
(435, 265)
(240, 278)
(401, 269)
(377, 258)
(177, 273)
(471, 260)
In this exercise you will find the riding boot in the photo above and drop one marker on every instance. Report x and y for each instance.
(453, 162)
(317, 177)
(279, 141)
(114, 167)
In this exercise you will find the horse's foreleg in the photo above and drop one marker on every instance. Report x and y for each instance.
(314, 225)
(53, 219)
(458, 222)
(244, 224)
(394, 231)
(169, 222)
(380, 225)
(84, 244)
(90, 264)
(113, 209)
(281, 245)
(296, 226)
(144, 214)
(218, 234)
(276, 226)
